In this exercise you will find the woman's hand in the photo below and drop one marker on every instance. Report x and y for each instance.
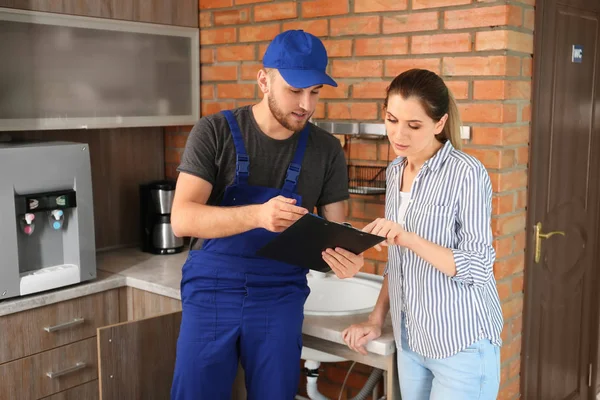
(395, 234)
(344, 263)
(357, 336)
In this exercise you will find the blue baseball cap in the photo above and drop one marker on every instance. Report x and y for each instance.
(300, 58)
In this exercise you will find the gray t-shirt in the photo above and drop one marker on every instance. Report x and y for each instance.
(210, 154)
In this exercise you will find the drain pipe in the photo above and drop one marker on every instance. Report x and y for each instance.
(311, 369)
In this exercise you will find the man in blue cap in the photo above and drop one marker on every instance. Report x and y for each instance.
(246, 175)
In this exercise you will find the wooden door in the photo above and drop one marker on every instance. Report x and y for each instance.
(136, 359)
(559, 317)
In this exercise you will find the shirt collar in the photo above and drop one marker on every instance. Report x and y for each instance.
(435, 162)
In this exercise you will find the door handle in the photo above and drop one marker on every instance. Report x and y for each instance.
(538, 240)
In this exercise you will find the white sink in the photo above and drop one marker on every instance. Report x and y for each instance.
(331, 296)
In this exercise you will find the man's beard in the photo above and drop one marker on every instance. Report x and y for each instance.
(282, 119)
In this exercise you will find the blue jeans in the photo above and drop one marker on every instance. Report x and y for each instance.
(472, 374)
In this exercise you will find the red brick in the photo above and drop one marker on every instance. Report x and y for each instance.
(488, 112)
(460, 89)
(502, 182)
(239, 2)
(236, 53)
(324, 8)
(526, 113)
(171, 171)
(382, 46)
(527, 66)
(236, 91)
(500, 136)
(504, 40)
(503, 290)
(272, 12)
(503, 246)
(503, 204)
(207, 92)
(363, 151)
(510, 391)
(354, 111)
(354, 26)
(493, 158)
(516, 325)
(509, 267)
(219, 73)
(443, 43)
(207, 56)
(319, 111)
(357, 69)
(418, 4)
(242, 103)
(501, 90)
(204, 19)
(362, 6)
(217, 36)
(259, 33)
(412, 22)
(396, 67)
(512, 307)
(483, 17)
(232, 17)
(508, 224)
(520, 239)
(250, 71)
(339, 92)
(529, 20)
(522, 199)
(318, 27)
(523, 155)
(517, 284)
(212, 107)
(205, 4)
(338, 48)
(370, 90)
(373, 254)
(482, 66)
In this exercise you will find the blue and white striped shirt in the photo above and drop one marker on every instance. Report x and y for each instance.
(450, 205)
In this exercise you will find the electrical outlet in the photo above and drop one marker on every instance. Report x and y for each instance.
(465, 132)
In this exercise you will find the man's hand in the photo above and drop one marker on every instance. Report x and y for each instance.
(343, 263)
(279, 213)
(357, 336)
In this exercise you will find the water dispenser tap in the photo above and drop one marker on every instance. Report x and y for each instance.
(56, 219)
(27, 224)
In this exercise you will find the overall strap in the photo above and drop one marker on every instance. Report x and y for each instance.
(293, 171)
(242, 163)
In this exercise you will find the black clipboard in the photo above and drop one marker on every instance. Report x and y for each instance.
(302, 243)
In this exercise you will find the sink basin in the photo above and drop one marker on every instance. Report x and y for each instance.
(330, 295)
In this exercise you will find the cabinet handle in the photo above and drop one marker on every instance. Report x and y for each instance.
(76, 367)
(76, 321)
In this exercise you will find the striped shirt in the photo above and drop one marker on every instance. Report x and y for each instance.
(450, 205)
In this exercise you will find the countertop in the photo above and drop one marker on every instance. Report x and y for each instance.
(162, 275)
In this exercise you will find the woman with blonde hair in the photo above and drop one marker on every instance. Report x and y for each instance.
(439, 283)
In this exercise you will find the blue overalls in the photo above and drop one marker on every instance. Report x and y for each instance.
(239, 306)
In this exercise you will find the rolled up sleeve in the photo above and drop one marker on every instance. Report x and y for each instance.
(474, 254)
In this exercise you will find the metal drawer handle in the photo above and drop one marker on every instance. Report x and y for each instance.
(76, 321)
(76, 367)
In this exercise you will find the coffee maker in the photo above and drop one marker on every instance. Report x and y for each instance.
(46, 217)
(156, 200)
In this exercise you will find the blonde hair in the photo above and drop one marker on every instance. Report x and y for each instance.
(435, 97)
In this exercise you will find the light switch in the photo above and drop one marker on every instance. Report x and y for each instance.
(465, 132)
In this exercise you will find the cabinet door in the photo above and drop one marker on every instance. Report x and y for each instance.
(137, 359)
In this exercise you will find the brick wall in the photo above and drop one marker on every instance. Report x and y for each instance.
(483, 49)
